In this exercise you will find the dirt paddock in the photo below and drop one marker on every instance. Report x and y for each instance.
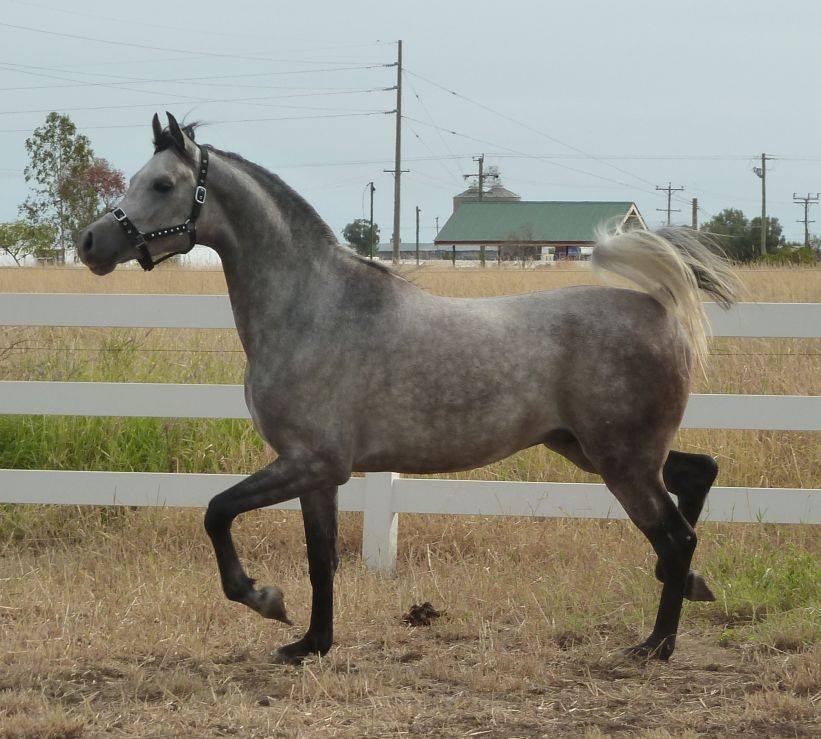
(112, 623)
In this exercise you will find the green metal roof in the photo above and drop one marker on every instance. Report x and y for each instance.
(530, 221)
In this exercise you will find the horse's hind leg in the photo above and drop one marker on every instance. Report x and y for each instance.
(651, 508)
(689, 477)
(319, 514)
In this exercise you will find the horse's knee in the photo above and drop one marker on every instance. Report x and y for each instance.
(217, 516)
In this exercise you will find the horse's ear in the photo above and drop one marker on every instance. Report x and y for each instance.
(157, 128)
(175, 131)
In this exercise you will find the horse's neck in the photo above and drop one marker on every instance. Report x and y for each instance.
(278, 261)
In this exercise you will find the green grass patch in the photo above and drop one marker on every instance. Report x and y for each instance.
(130, 444)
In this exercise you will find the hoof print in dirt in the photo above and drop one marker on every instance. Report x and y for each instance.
(421, 615)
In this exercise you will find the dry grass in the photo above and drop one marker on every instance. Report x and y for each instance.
(112, 622)
(764, 283)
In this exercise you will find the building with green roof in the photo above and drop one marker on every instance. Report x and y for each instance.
(541, 227)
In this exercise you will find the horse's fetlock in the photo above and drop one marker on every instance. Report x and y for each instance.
(319, 642)
(235, 592)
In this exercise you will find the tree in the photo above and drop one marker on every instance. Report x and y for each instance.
(106, 181)
(774, 238)
(732, 228)
(521, 245)
(20, 239)
(59, 160)
(740, 237)
(358, 234)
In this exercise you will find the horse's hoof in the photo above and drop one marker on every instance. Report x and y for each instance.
(294, 654)
(271, 604)
(283, 656)
(652, 649)
(697, 589)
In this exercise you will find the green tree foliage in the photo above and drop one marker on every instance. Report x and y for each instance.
(358, 234)
(775, 235)
(740, 237)
(70, 187)
(20, 239)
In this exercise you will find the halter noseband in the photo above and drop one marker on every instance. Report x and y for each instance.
(140, 239)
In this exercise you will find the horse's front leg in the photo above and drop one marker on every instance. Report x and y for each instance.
(319, 513)
(286, 478)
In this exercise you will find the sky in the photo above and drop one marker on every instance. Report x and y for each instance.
(573, 100)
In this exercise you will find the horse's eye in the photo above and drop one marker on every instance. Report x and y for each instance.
(163, 184)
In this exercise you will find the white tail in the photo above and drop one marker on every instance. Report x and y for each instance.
(672, 265)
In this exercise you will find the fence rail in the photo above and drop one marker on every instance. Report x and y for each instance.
(381, 496)
(755, 320)
(170, 400)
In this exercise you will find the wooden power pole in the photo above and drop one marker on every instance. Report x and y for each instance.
(417, 235)
(480, 160)
(762, 173)
(370, 251)
(806, 202)
(669, 189)
(397, 168)
(694, 215)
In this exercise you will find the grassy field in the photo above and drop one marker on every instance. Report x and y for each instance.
(112, 621)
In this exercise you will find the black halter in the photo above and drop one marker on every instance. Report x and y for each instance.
(139, 239)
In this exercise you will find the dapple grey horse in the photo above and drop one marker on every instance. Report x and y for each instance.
(353, 369)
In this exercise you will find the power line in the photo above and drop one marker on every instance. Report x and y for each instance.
(548, 136)
(220, 123)
(204, 100)
(527, 156)
(214, 54)
(439, 160)
(438, 132)
(166, 27)
(124, 81)
(230, 75)
(533, 129)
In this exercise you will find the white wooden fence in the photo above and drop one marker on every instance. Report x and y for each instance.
(381, 496)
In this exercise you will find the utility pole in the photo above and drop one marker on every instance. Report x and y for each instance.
(694, 215)
(397, 168)
(480, 160)
(437, 225)
(669, 190)
(370, 251)
(417, 235)
(762, 173)
(806, 202)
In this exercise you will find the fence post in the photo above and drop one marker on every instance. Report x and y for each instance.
(380, 524)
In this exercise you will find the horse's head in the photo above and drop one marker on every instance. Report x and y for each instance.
(156, 214)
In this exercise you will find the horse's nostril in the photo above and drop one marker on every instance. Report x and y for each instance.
(88, 240)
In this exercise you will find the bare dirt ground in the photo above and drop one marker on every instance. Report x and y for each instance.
(112, 624)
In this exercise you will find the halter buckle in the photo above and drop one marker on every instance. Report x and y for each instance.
(119, 214)
(199, 194)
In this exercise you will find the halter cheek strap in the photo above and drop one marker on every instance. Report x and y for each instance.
(140, 240)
